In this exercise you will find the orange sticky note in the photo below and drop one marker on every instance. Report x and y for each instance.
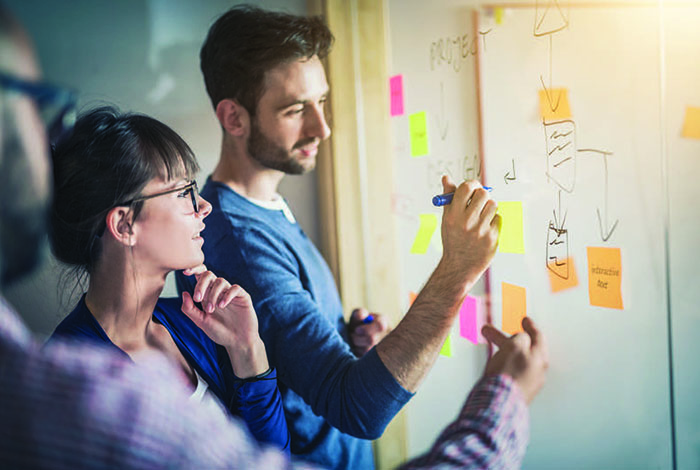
(605, 277)
(447, 347)
(691, 125)
(554, 104)
(567, 269)
(514, 307)
(411, 297)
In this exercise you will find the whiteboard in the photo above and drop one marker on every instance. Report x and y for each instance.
(623, 182)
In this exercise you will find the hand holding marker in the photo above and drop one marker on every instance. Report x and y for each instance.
(445, 199)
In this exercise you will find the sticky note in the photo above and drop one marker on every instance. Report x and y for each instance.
(691, 125)
(514, 304)
(565, 277)
(510, 239)
(471, 319)
(498, 15)
(554, 104)
(418, 128)
(396, 93)
(428, 222)
(447, 347)
(412, 296)
(605, 277)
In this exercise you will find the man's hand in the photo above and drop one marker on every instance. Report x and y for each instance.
(523, 356)
(365, 334)
(470, 228)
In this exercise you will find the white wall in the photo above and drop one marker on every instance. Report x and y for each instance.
(141, 55)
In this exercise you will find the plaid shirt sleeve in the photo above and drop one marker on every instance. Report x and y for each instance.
(491, 432)
(70, 406)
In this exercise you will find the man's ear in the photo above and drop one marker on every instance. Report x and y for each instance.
(233, 117)
(120, 225)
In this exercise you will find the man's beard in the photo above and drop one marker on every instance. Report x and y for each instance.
(270, 155)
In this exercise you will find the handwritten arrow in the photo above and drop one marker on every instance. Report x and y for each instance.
(441, 117)
(606, 230)
(506, 177)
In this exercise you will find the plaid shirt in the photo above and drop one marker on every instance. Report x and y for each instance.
(74, 406)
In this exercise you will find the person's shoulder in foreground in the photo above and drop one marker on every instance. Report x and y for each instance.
(75, 406)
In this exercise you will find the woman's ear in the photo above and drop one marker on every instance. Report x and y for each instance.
(120, 225)
(233, 117)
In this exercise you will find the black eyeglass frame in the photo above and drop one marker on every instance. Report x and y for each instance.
(191, 187)
(45, 94)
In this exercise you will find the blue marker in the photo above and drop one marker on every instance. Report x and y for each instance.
(445, 199)
(368, 319)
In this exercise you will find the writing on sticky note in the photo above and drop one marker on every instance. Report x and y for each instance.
(418, 128)
(447, 347)
(510, 239)
(471, 319)
(605, 277)
(691, 124)
(514, 302)
(428, 223)
(554, 104)
(565, 275)
(396, 93)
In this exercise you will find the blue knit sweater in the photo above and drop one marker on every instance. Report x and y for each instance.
(333, 401)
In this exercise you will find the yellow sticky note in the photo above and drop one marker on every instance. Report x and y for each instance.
(691, 125)
(605, 277)
(510, 239)
(498, 15)
(447, 347)
(567, 269)
(514, 304)
(418, 128)
(554, 104)
(428, 223)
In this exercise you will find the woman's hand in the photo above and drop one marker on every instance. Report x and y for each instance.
(227, 316)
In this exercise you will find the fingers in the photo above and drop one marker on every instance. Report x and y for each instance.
(204, 280)
(531, 329)
(489, 212)
(216, 289)
(191, 310)
(195, 270)
(232, 292)
(358, 315)
(447, 185)
(494, 335)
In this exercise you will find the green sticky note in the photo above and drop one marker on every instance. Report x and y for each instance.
(418, 129)
(428, 223)
(511, 237)
(447, 347)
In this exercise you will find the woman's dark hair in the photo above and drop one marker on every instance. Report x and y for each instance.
(108, 159)
(246, 41)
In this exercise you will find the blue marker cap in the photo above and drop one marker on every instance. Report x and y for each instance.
(368, 319)
(445, 199)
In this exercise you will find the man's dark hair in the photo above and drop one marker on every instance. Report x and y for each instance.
(246, 41)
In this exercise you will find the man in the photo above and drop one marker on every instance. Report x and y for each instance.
(70, 406)
(264, 76)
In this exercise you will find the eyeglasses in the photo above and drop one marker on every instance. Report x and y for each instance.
(192, 189)
(57, 106)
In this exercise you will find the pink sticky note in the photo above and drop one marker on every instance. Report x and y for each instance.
(471, 319)
(396, 91)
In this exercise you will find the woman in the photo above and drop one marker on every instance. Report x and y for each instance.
(126, 212)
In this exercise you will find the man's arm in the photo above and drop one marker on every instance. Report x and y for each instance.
(493, 427)
(470, 228)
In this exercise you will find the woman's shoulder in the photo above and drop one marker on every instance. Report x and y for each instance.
(80, 324)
